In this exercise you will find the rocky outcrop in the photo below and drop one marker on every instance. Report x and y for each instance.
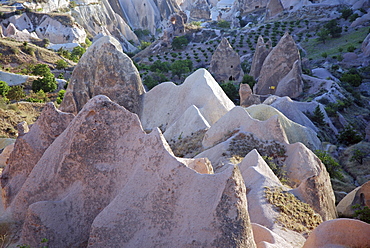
(262, 50)
(29, 148)
(166, 103)
(277, 65)
(273, 8)
(339, 233)
(116, 78)
(247, 98)
(13, 79)
(200, 11)
(142, 188)
(292, 84)
(365, 47)
(225, 63)
(245, 6)
(294, 132)
(56, 28)
(359, 196)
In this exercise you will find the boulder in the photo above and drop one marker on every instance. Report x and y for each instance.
(29, 148)
(247, 98)
(262, 50)
(273, 8)
(116, 78)
(292, 84)
(225, 63)
(13, 79)
(5, 154)
(294, 132)
(239, 119)
(187, 124)
(348, 57)
(278, 63)
(166, 103)
(339, 233)
(200, 11)
(359, 196)
(323, 74)
(365, 47)
(143, 194)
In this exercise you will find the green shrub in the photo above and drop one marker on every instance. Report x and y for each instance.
(4, 88)
(349, 136)
(333, 28)
(324, 55)
(362, 213)
(353, 79)
(247, 79)
(347, 12)
(76, 53)
(231, 91)
(47, 83)
(331, 165)
(60, 97)
(223, 24)
(179, 67)
(159, 66)
(353, 17)
(144, 44)
(351, 49)
(179, 42)
(318, 116)
(16, 93)
(358, 156)
(61, 64)
(149, 82)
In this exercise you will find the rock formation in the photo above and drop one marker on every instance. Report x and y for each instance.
(200, 11)
(359, 196)
(365, 47)
(29, 148)
(292, 84)
(277, 65)
(294, 132)
(273, 8)
(142, 188)
(166, 103)
(262, 50)
(247, 98)
(340, 233)
(116, 77)
(225, 63)
(245, 6)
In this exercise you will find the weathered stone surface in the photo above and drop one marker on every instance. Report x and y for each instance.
(247, 98)
(367, 132)
(339, 233)
(360, 195)
(225, 63)
(265, 238)
(13, 79)
(200, 11)
(348, 57)
(294, 132)
(273, 8)
(200, 165)
(22, 128)
(245, 6)
(188, 123)
(239, 119)
(166, 103)
(292, 84)
(222, 202)
(365, 47)
(315, 188)
(5, 154)
(262, 50)
(116, 78)
(29, 148)
(278, 63)
(61, 198)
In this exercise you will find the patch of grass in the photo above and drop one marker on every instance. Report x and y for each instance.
(315, 48)
(294, 214)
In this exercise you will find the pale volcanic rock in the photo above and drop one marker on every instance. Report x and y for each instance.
(294, 132)
(273, 8)
(278, 63)
(262, 50)
(200, 165)
(200, 11)
(167, 209)
(292, 84)
(365, 47)
(265, 238)
(239, 119)
(360, 195)
(165, 104)
(245, 6)
(188, 123)
(247, 98)
(29, 148)
(116, 78)
(5, 154)
(339, 233)
(225, 63)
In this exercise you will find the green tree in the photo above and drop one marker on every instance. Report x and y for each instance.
(179, 67)
(76, 53)
(47, 83)
(334, 29)
(231, 91)
(318, 116)
(353, 79)
(247, 79)
(40, 70)
(149, 82)
(159, 66)
(323, 35)
(179, 42)
(349, 136)
(16, 93)
(358, 156)
(144, 44)
(60, 97)
(223, 24)
(4, 88)
(347, 12)
(61, 64)
(331, 165)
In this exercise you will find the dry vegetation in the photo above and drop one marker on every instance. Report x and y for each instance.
(189, 146)
(294, 214)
